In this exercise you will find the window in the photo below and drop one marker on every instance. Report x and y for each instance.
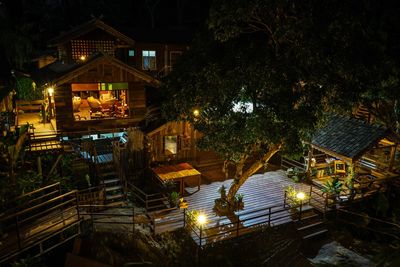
(149, 60)
(131, 53)
(170, 144)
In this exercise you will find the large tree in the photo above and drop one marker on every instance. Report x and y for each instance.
(251, 99)
(291, 60)
(352, 46)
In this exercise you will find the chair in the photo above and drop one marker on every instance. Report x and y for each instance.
(96, 106)
(76, 103)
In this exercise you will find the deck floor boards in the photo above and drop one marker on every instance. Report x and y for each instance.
(259, 191)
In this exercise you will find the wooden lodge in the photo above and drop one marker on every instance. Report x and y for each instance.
(362, 156)
(102, 77)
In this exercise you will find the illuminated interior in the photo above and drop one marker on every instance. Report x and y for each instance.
(95, 101)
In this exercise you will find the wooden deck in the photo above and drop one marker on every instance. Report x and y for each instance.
(260, 192)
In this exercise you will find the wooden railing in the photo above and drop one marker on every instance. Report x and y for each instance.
(375, 225)
(290, 163)
(32, 226)
(99, 215)
(151, 202)
(32, 198)
(264, 217)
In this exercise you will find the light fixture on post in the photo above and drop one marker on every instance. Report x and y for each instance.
(201, 221)
(300, 196)
(50, 93)
(196, 112)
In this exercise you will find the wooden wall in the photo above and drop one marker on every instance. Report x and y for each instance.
(187, 137)
(136, 99)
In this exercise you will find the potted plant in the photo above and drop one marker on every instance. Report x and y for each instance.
(239, 205)
(174, 199)
(222, 191)
(332, 189)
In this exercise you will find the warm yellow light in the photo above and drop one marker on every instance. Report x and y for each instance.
(83, 58)
(201, 219)
(50, 90)
(301, 195)
(196, 112)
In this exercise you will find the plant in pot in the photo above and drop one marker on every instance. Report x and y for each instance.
(174, 199)
(332, 189)
(239, 205)
(221, 205)
(222, 192)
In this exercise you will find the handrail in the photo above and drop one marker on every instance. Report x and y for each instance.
(38, 190)
(19, 213)
(371, 218)
(239, 223)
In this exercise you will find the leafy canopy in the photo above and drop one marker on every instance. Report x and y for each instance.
(212, 77)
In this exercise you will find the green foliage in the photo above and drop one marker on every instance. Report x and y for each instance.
(291, 196)
(238, 198)
(26, 90)
(296, 174)
(174, 198)
(333, 187)
(346, 48)
(222, 191)
(29, 262)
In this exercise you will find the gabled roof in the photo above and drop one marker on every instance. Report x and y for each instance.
(87, 27)
(347, 138)
(59, 73)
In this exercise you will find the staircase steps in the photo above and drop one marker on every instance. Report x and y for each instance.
(310, 225)
(315, 234)
(112, 184)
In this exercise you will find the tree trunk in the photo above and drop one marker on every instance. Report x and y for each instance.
(250, 171)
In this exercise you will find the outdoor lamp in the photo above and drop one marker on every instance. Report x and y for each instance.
(50, 90)
(196, 112)
(201, 219)
(83, 58)
(300, 195)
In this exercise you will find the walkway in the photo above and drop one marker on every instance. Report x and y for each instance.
(259, 191)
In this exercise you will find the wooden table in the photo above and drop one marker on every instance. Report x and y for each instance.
(179, 172)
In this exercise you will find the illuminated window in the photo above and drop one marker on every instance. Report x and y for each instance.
(149, 60)
(131, 53)
(170, 144)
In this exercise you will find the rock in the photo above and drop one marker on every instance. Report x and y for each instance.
(333, 254)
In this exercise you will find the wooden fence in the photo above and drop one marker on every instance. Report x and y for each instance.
(45, 225)
(287, 163)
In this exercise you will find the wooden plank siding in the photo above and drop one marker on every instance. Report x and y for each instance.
(136, 98)
(186, 141)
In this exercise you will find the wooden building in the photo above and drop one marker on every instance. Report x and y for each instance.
(353, 151)
(101, 77)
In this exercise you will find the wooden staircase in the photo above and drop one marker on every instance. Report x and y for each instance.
(310, 225)
(108, 176)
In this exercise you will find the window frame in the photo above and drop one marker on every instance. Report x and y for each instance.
(150, 57)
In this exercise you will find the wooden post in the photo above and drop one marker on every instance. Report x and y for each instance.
(184, 218)
(201, 231)
(39, 166)
(284, 200)
(301, 209)
(310, 156)
(237, 227)
(392, 156)
(269, 216)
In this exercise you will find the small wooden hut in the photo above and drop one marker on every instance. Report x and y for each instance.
(353, 150)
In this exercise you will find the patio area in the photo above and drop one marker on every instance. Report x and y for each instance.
(260, 192)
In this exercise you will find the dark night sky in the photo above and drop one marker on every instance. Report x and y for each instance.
(44, 19)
